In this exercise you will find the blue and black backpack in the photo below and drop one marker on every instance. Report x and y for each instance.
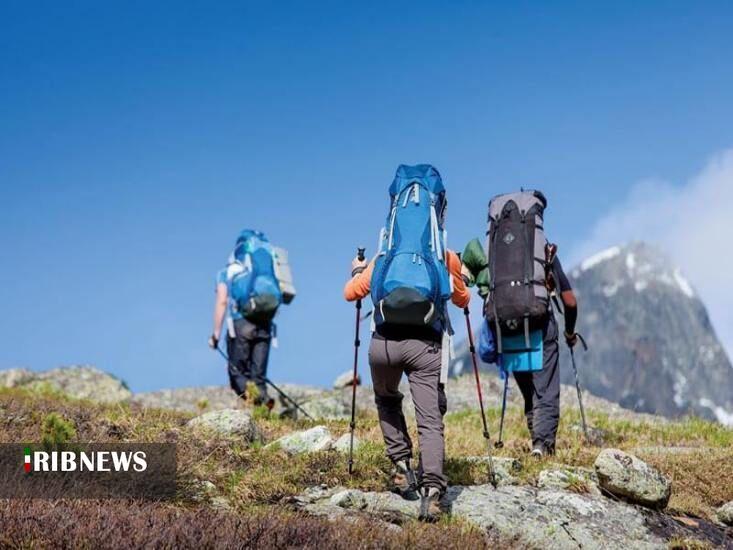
(410, 283)
(254, 288)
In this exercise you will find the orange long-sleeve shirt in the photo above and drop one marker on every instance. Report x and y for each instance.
(360, 285)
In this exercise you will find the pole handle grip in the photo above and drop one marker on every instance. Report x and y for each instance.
(360, 253)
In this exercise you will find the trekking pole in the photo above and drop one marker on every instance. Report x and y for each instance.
(274, 387)
(577, 387)
(360, 256)
(472, 349)
(499, 444)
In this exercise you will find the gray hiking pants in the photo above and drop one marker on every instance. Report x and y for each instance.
(541, 392)
(420, 360)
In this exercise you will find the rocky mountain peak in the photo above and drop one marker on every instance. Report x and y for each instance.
(638, 264)
(653, 346)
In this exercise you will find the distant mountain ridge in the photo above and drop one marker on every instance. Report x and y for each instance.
(652, 346)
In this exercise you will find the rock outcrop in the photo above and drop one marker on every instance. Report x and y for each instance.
(78, 382)
(628, 477)
(579, 480)
(535, 518)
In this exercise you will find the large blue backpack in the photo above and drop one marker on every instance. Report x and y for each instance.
(255, 290)
(410, 283)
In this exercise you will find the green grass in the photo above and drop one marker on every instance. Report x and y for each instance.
(252, 476)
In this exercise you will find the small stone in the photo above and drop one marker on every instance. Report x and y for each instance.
(346, 380)
(307, 441)
(228, 422)
(202, 490)
(632, 479)
(220, 503)
(725, 513)
(343, 442)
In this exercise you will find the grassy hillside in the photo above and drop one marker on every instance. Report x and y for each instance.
(252, 483)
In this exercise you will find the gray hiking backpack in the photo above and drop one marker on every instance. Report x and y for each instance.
(518, 299)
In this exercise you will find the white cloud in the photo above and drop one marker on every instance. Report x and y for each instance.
(693, 223)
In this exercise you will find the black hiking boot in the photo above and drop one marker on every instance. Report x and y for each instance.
(430, 510)
(404, 480)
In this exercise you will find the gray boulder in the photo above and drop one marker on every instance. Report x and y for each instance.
(342, 443)
(725, 513)
(330, 407)
(632, 479)
(229, 423)
(308, 441)
(345, 380)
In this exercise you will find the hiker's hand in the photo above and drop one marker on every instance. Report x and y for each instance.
(467, 276)
(571, 339)
(213, 341)
(357, 266)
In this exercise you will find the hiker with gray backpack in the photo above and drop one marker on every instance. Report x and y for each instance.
(249, 291)
(411, 279)
(520, 279)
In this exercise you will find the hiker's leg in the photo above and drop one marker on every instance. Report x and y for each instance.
(443, 406)
(258, 361)
(547, 391)
(526, 386)
(422, 362)
(238, 357)
(385, 363)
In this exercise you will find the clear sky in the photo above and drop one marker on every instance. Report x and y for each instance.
(138, 138)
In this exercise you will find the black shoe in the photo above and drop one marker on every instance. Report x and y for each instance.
(430, 510)
(404, 480)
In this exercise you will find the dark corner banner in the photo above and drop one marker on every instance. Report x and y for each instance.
(117, 470)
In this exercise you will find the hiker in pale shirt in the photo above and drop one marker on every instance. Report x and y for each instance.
(249, 291)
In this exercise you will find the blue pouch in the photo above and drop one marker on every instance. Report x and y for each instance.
(516, 357)
(486, 344)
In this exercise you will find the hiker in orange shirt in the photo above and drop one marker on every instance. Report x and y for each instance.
(411, 280)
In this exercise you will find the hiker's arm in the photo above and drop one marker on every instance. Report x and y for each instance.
(571, 310)
(359, 285)
(461, 296)
(569, 301)
(220, 308)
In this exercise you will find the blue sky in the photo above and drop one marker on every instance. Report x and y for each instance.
(138, 138)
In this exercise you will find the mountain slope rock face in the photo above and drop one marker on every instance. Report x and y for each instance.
(652, 346)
